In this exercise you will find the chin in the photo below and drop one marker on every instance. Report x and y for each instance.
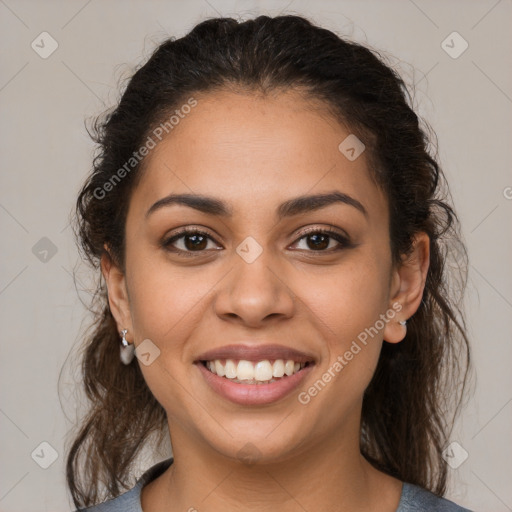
(256, 447)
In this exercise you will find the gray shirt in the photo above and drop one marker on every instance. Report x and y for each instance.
(413, 498)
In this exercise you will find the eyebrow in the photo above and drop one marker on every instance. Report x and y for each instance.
(291, 207)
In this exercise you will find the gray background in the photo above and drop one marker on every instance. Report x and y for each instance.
(46, 153)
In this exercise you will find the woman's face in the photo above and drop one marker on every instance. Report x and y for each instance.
(257, 279)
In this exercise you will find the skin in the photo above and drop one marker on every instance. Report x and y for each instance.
(254, 153)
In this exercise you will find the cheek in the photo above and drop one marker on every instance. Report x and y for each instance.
(350, 306)
(352, 297)
(169, 304)
(164, 299)
(166, 306)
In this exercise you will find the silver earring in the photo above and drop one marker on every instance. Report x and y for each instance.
(403, 322)
(127, 349)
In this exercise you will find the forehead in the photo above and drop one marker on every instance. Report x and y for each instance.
(249, 150)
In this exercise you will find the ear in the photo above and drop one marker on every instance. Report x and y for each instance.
(117, 293)
(407, 285)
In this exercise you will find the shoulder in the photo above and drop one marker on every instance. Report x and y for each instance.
(130, 500)
(417, 499)
(126, 502)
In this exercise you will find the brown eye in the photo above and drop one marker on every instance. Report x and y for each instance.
(189, 240)
(319, 240)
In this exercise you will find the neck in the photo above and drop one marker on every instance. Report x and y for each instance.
(326, 476)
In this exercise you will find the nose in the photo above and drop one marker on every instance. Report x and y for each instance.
(255, 293)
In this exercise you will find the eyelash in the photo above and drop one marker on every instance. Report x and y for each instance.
(343, 240)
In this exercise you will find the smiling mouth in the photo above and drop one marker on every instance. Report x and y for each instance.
(242, 371)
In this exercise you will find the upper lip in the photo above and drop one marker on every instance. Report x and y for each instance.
(255, 353)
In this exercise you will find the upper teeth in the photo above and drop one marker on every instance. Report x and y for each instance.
(254, 370)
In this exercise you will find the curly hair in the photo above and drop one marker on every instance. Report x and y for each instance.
(419, 385)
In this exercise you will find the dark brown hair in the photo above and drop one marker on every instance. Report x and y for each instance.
(419, 384)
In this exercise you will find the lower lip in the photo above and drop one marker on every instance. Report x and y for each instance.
(254, 394)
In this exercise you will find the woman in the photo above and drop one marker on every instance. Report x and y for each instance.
(271, 229)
